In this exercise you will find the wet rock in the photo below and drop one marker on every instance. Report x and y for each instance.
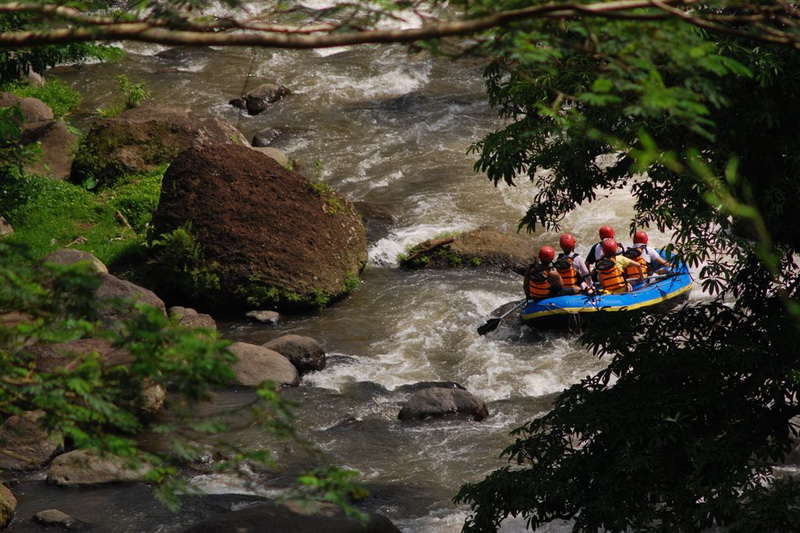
(69, 256)
(260, 98)
(257, 364)
(143, 138)
(190, 318)
(377, 220)
(483, 247)
(8, 504)
(265, 317)
(56, 518)
(305, 353)
(283, 160)
(82, 467)
(25, 444)
(271, 518)
(421, 385)
(438, 402)
(185, 54)
(266, 137)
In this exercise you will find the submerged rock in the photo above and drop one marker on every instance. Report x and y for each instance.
(305, 353)
(439, 402)
(271, 518)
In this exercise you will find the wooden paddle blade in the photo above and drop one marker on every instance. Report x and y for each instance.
(490, 325)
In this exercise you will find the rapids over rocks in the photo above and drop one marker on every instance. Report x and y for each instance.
(391, 130)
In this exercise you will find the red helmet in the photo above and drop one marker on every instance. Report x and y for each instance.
(546, 254)
(567, 241)
(640, 237)
(609, 247)
(606, 232)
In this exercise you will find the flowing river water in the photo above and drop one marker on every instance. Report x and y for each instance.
(390, 129)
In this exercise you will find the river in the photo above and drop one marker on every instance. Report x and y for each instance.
(391, 129)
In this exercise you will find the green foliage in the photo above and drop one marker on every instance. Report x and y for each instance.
(680, 431)
(97, 405)
(351, 282)
(58, 96)
(48, 214)
(13, 154)
(132, 97)
(16, 63)
(180, 265)
(332, 203)
(137, 198)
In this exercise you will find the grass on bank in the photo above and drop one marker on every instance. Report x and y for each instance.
(48, 214)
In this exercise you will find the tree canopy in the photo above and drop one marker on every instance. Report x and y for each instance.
(687, 105)
(680, 431)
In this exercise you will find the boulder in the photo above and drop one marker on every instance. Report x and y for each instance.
(59, 146)
(482, 247)
(271, 518)
(143, 138)
(190, 318)
(39, 124)
(283, 160)
(272, 238)
(50, 357)
(265, 137)
(60, 519)
(256, 364)
(260, 98)
(25, 444)
(438, 402)
(5, 227)
(305, 353)
(69, 256)
(8, 504)
(265, 317)
(113, 288)
(83, 467)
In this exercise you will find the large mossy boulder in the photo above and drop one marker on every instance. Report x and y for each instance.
(237, 231)
(143, 138)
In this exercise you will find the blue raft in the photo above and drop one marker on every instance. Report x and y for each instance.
(658, 290)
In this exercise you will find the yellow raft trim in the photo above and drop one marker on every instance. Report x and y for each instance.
(593, 309)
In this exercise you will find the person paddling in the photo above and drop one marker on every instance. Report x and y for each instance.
(541, 279)
(571, 266)
(611, 268)
(645, 256)
(596, 251)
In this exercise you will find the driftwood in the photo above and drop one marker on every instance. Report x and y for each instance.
(427, 247)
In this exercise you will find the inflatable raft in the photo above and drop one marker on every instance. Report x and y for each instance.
(656, 290)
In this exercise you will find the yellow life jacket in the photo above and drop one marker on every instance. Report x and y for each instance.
(538, 284)
(568, 273)
(635, 254)
(610, 276)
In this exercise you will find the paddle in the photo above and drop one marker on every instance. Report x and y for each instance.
(492, 323)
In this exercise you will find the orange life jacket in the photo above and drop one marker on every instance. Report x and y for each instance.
(568, 273)
(538, 284)
(635, 254)
(610, 276)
